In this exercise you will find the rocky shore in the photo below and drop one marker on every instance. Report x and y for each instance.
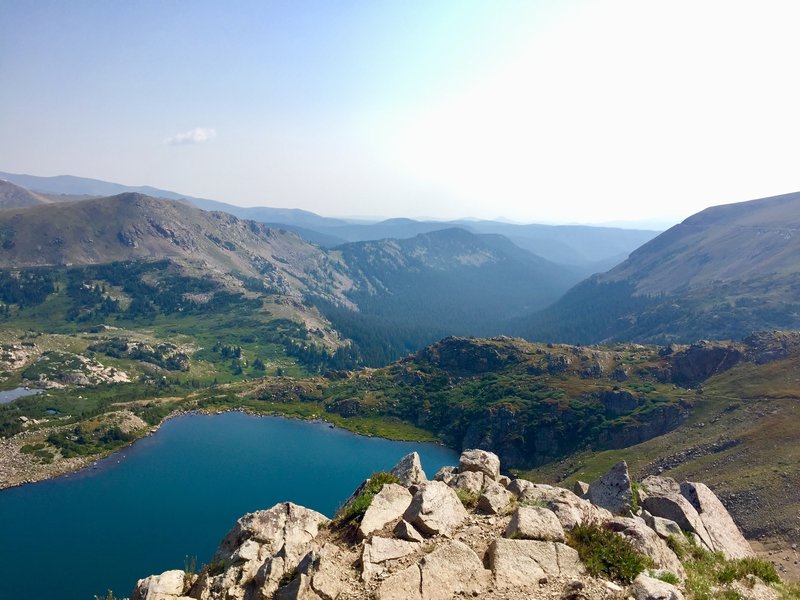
(471, 532)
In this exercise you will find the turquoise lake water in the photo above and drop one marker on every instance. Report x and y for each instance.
(176, 494)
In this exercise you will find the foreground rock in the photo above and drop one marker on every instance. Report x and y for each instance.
(417, 541)
(435, 509)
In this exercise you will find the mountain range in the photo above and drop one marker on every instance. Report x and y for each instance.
(592, 249)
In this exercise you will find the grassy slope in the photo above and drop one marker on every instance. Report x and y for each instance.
(751, 413)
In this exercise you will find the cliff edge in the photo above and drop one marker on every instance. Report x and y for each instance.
(472, 532)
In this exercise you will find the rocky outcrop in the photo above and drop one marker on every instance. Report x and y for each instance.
(613, 490)
(435, 509)
(725, 535)
(409, 470)
(417, 541)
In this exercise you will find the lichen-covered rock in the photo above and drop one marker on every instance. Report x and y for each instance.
(481, 461)
(722, 530)
(445, 474)
(613, 490)
(535, 523)
(435, 509)
(388, 505)
(409, 470)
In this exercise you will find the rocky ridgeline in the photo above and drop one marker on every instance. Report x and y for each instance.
(469, 532)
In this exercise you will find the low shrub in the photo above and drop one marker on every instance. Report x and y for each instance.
(607, 554)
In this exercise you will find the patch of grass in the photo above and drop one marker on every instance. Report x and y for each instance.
(468, 499)
(709, 574)
(733, 570)
(607, 554)
(356, 508)
(668, 577)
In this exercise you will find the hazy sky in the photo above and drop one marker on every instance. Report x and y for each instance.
(548, 111)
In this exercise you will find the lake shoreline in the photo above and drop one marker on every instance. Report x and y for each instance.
(19, 469)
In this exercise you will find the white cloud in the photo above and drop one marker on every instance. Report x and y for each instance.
(198, 135)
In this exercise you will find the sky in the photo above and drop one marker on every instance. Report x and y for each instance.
(557, 111)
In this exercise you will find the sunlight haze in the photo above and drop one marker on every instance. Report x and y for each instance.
(581, 112)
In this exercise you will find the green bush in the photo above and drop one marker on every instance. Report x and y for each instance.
(607, 554)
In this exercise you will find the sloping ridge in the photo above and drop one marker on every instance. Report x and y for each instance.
(14, 196)
(720, 274)
(729, 242)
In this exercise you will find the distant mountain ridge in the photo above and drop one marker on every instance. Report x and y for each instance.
(389, 296)
(721, 273)
(592, 249)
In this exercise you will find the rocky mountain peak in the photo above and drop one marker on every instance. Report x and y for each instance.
(469, 532)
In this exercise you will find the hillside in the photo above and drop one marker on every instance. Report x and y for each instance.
(410, 292)
(722, 273)
(14, 196)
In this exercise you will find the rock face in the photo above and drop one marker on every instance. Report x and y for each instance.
(388, 505)
(535, 523)
(417, 542)
(409, 470)
(724, 533)
(435, 509)
(613, 490)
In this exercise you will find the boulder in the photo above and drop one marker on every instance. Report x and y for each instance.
(318, 575)
(409, 470)
(471, 481)
(445, 474)
(452, 570)
(449, 571)
(298, 588)
(388, 505)
(435, 509)
(520, 563)
(495, 499)
(665, 528)
(569, 509)
(580, 489)
(613, 490)
(167, 586)
(648, 588)
(535, 523)
(646, 541)
(405, 531)
(662, 500)
(403, 585)
(481, 461)
(722, 530)
(383, 549)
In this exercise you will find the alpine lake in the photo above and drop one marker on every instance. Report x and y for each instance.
(167, 501)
